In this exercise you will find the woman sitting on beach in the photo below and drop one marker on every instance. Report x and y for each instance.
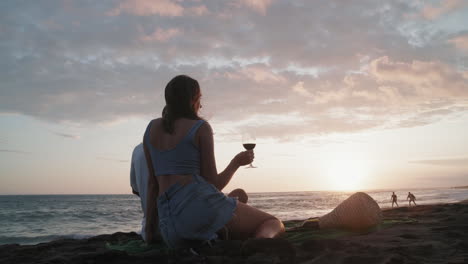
(184, 186)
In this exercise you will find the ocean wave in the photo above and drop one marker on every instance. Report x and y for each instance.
(37, 219)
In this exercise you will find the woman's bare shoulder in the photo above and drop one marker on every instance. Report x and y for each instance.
(206, 128)
(157, 121)
(155, 124)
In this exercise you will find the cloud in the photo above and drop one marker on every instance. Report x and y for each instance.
(162, 35)
(358, 69)
(14, 151)
(164, 8)
(434, 11)
(299, 88)
(461, 42)
(199, 10)
(453, 162)
(421, 78)
(257, 73)
(424, 118)
(66, 135)
(148, 7)
(259, 6)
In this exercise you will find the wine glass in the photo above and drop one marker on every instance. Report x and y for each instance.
(248, 141)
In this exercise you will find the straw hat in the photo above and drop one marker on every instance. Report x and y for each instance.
(358, 212)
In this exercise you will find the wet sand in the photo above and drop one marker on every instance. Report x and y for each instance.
(422, 234)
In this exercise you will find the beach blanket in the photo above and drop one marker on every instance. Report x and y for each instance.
(298, 232)
(136, 246)
(295, 233)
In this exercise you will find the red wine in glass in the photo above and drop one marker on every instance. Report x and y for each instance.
(249, 146)
(248, 141)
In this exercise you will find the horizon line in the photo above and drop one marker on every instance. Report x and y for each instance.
(361, 190)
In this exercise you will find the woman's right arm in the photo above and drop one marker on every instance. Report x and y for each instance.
(208, 161)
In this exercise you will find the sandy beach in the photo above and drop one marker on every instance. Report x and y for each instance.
(422, 234)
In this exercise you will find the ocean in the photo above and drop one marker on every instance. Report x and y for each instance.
(32, 219)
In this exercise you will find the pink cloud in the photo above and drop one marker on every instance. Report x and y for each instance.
(299, 88)
(461, 42)
(321, 93)
(423, 78)
(262, 75)
(248, 54)
(199, 10)
(258, 5)
(148, 7)
(391, 94)
(162, 35)
(257, 74)
(446, 6)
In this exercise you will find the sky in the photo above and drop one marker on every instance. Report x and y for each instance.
(341, 95)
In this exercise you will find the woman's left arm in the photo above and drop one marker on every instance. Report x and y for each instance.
(152, 218)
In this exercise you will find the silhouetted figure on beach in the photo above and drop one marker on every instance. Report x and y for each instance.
(411, 198)
(139, 182)
(394, 199)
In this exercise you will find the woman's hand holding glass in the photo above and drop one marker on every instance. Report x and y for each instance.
(244, 158)
(249, 142)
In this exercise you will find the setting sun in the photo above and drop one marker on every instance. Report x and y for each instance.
(345, 172)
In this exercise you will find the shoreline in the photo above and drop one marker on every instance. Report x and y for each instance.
(433, 233)
(87, 236)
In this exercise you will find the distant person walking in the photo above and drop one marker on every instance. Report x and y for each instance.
(139, 181)
(394, 199)
(411, 198)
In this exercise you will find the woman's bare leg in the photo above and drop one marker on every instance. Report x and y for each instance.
(240, 194)
(270, 228)
(250, 222)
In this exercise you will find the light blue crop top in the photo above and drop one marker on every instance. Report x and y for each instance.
(184, 158)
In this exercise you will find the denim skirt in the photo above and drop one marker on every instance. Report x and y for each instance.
(192, 214)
